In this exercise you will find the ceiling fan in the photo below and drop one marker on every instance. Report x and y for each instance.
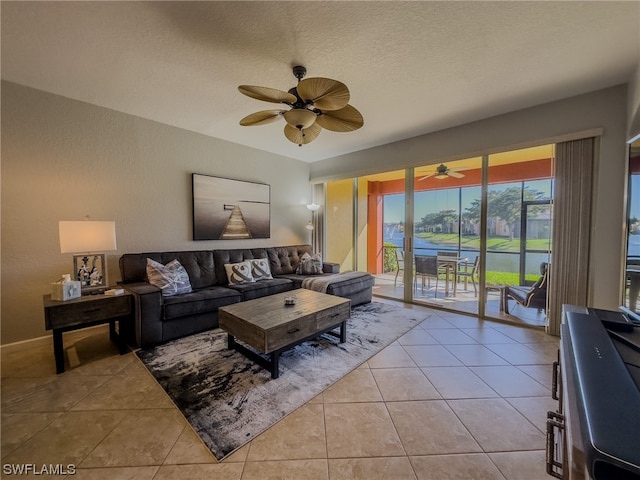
(443, 172)
(314, 104)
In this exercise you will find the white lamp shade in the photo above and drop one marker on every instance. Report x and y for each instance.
(87, 236)
(313, 207)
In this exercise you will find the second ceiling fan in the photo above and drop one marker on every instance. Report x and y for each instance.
(315, 103)
(443, 172)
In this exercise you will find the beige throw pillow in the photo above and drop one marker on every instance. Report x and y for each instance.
(260, 269)
(239, 273)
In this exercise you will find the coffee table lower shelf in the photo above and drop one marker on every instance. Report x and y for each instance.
(272, 363)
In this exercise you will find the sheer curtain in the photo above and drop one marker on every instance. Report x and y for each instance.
(571, 238)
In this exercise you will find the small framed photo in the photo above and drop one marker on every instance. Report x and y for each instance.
(90, 271)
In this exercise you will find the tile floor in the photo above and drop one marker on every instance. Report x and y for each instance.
(465, 301)
(455, 398)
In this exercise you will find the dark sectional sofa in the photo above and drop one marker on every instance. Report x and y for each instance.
(160, 318)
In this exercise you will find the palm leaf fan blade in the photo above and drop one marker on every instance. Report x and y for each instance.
(267, 94)
(426, 176)
(261, 118)
(325, 93)
(304, 136)
(346, 119)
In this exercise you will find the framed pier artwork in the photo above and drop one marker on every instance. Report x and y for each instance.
(227, 209)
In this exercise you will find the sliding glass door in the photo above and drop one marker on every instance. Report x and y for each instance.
(451, 236)
(518, 230)
(446, 234)
(387, 247)
(632, 267)
(365, 221)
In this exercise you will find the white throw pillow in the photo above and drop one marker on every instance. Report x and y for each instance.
(260, 269)
(239, 273)
(171, 278)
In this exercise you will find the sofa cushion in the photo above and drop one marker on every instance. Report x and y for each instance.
(263, 288)
(260, 269)
(198, 264)
(199, 301)
(171, 278)
(285, 260)
(346, 284)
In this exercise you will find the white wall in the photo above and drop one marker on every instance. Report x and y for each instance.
(605, 109)
(63, 159)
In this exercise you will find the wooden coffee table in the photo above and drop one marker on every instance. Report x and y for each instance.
(270, 327)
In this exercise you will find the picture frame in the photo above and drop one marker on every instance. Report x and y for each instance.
(90, 270)
(228, 209)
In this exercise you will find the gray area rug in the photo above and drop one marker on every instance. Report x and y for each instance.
(229, 400)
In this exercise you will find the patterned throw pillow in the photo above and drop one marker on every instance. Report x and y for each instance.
(171, 278)
(310, 265)
(239, 273)
(260, 269)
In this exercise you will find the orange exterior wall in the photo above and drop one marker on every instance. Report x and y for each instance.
(374, 220)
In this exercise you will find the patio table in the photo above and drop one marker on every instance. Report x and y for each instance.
(451, 264)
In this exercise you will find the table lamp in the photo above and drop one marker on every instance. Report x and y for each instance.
(88, 239)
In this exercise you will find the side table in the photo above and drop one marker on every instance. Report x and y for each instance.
(87, 311)
(501, 289)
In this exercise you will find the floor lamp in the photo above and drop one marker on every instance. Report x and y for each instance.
(313, 208)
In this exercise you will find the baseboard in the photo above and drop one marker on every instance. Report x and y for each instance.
(32, 342)
(44, 340)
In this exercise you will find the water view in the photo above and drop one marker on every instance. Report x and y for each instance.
(496, 261)
(634, 246)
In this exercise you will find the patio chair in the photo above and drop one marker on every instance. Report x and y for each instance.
(446, 253)
(469, 271)
(426, 266)
(399, 264)
(534, 296)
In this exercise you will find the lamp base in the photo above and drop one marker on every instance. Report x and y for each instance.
(90, 270)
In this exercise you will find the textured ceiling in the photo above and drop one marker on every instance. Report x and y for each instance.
(412, 68)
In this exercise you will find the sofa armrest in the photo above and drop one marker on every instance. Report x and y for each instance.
(328, 267)
(148, 312)
(141, 288)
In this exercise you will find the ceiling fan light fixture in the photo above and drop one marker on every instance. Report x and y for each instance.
(441, 176)
(302, 137)
(315, 103)
(300, 118)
